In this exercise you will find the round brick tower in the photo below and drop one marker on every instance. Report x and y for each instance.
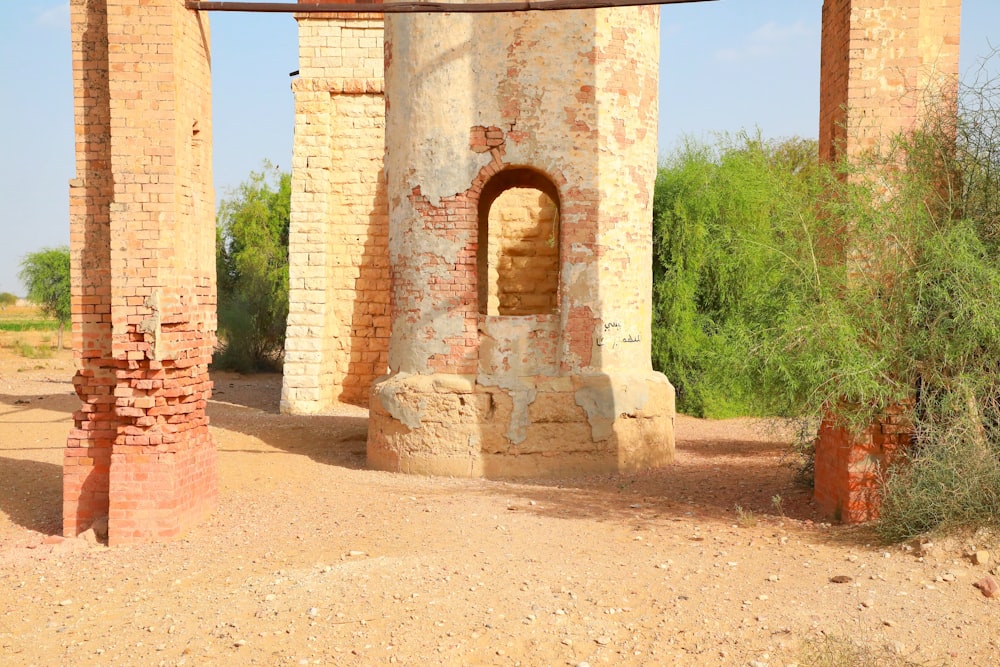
(520, 159)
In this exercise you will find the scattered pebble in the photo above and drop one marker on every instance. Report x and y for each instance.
(989, 586)
(896, 647)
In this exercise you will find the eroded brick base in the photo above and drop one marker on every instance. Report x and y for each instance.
(850, 468)
(87, 459)
(157, 495)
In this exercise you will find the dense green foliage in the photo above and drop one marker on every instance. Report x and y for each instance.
(252, 269)
(725, 219)
(7, 299)
(842, 291)
(46, 274)
(950, 303)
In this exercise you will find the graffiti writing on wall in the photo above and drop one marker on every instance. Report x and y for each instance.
(613, 335)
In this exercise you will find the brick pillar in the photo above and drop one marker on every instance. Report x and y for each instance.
(884, 65)
(144, 270)
(88, 449)
(338, 320)
(478, 106)
(850, 467)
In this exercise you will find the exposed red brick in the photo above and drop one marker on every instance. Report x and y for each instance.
(142, 257)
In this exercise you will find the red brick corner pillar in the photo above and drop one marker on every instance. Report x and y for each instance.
(884, 65)
(144, 268)
(851, 467)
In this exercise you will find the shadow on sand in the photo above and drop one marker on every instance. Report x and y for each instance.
(714, 479)
(30, 458)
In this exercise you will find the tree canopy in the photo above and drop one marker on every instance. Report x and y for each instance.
(46, 275)
(252, 269)
(728, 234)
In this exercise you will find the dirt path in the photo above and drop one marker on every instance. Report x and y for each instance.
(311, 559)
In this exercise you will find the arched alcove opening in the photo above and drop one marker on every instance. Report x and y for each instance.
(518, 251)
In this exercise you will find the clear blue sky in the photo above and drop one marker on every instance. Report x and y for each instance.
(725, 65)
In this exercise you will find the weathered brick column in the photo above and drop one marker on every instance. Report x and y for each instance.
(487, 379)
(142, 243)
(885, 65)
(338, 319)
(850, 467)
(883, 62)
(88, 451)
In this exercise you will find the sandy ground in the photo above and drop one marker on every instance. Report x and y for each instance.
(311, 559)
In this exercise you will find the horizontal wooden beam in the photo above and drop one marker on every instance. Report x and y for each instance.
(420, 7)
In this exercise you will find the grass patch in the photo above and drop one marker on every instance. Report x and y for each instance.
(26, 318)
(28, 351)
(950, 478)
(838, 651)
(745, 518)
(18, 325)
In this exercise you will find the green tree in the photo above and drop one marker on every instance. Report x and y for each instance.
(7, 299)
(252, 269)
(46, 275)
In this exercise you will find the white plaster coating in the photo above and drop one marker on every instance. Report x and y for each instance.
(420, 326)
(432, 58)
(605, 398)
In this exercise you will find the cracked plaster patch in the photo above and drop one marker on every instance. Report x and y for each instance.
(605, 398)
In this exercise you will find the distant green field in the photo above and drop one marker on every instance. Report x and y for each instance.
(25, 318)
(27, 325)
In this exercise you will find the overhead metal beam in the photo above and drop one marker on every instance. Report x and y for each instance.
(420, 7)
